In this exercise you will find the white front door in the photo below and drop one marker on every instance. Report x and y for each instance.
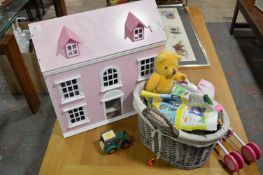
(113, 108)
(113, 104)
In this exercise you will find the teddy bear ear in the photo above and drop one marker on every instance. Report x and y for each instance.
(161, 57)
(164, 54)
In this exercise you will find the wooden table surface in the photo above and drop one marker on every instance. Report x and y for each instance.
(81, 154)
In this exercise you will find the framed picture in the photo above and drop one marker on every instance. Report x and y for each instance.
(181, 36)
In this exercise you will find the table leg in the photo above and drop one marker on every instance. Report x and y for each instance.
(9, 47)
(234, 19)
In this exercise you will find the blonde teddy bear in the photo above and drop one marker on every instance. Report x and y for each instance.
(166, 72)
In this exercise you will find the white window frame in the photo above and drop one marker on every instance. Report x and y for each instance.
(64, 100)
(137, 37)
(77, 123)
(106, 88)
(70, 52)
(139, 77)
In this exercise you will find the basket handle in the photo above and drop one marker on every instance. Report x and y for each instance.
(156, 113)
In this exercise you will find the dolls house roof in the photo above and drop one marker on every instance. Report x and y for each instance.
(67, 36)
(101, 34)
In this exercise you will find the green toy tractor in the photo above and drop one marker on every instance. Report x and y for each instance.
(111, 142)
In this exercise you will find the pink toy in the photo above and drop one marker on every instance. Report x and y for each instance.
(219, 107)
(233, 160)
(90, 68)
(207, 88)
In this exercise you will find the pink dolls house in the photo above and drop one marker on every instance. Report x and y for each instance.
(92, 61)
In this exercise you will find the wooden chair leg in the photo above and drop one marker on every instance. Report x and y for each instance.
(234, 19)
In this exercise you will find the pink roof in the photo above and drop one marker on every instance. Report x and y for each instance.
(101, 32)
(67, 35)
(132, 22)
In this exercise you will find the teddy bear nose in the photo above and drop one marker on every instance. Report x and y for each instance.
(174, 72)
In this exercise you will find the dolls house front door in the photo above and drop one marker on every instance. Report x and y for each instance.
(113, 104)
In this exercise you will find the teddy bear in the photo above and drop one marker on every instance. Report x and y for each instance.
(166, 72)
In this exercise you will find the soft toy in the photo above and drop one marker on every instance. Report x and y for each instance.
(166, 72)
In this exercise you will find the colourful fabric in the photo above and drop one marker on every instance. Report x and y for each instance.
(185, 109)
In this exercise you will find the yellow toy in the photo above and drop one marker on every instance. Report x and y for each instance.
(166, 72)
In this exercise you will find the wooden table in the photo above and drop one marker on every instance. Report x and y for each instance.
(253, 16)
(9, 47)
(81, 154)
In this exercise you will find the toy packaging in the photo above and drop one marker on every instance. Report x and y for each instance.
(186, 110)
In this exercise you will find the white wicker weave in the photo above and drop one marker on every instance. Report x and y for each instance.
(178, 148)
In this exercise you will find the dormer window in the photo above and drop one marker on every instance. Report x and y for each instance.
(72, 49)
(138, 33)
(69, 42)
(134, 28)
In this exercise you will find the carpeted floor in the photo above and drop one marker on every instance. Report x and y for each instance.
(24, 137)
(242, 62)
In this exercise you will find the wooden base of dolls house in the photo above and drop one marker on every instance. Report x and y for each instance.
(93, 126)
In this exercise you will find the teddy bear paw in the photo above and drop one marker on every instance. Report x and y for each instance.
(182, 77)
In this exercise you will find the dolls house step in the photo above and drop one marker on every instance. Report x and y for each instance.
(112, 109)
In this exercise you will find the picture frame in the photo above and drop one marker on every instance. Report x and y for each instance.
(182, 37)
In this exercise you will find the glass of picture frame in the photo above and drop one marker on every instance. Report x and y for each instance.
(181, 36)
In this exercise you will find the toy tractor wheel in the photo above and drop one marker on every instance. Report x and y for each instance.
(125, 144)
(112, 151)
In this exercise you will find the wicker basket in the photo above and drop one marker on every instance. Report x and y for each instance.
(178, 148)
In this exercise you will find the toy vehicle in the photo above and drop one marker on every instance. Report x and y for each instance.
(111, 142)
